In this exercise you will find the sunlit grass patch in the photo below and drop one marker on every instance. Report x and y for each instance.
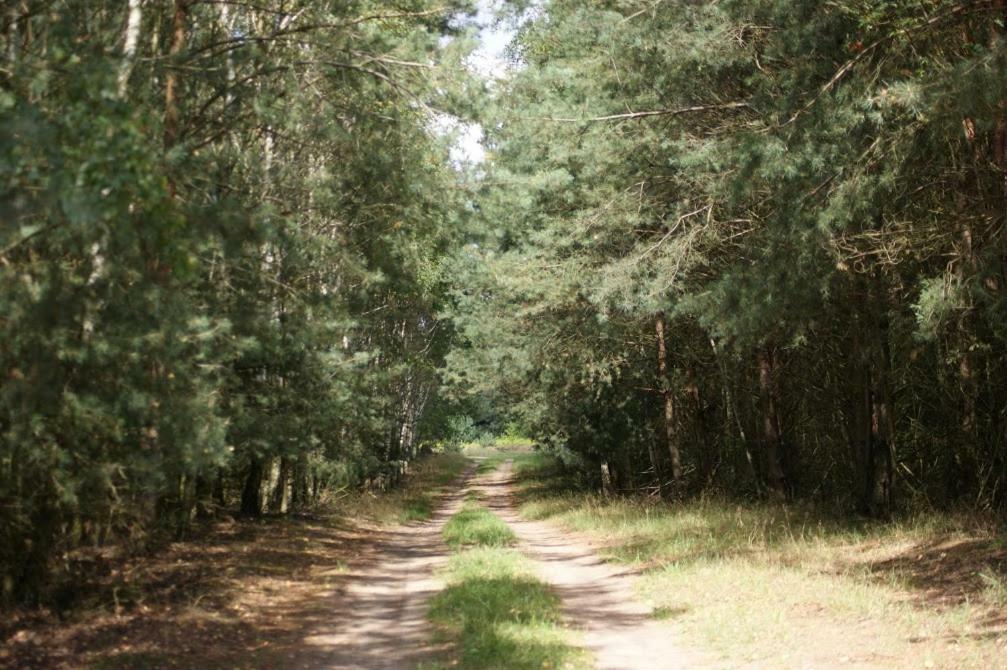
(498, 616)
(475, 525)
(491, 457)
(795, 587)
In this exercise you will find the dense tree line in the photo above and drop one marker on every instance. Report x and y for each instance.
(222, 262)
(754, 246)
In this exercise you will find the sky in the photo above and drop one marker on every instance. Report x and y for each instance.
(489, 61)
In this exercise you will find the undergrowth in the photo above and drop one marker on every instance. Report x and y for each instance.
(414, 500)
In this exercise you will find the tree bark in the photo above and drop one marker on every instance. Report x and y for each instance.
(278, 500)
(698, 437)
(179, 23)
(776, 480)
(218, 488)
(871, 420)
(299, 485)
(134, 17)
(606, 480)
(251, 494)
(998, 33)
(879, 462)
(668, 397)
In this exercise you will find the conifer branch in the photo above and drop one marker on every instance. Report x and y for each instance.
(640, 115)
(870, 48)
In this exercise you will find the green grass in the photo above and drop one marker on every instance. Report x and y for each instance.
(513, 441)
(498, 616)
(491, 463)
(794, 586)
(490, 457)
(475, 525)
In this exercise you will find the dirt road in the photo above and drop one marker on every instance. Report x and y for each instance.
(382, 619)
(598, 599)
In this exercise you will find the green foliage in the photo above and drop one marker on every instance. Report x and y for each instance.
(220, 266)
(829, 220)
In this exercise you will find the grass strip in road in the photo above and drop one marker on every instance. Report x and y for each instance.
(475, 525)
(494, 611)
(790, 586)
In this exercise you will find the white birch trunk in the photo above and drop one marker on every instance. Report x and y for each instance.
(134, 17)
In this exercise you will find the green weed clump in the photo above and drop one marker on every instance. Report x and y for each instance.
(499, 616)
(476, 526)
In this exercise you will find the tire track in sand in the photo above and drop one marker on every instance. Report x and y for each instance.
(597, 597)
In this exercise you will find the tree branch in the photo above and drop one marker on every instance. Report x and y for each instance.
(641, 115)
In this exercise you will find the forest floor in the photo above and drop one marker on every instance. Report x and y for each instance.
(275, 592)
(508, 566)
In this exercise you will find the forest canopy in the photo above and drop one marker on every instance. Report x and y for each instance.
(752, 248)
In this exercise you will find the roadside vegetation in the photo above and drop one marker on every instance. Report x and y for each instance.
(239, 593)
(784, 586)
(415, 500)
(494, 612)
(740, 265)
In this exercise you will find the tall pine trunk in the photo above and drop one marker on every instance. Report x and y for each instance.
(251, 493)
(299, 484)
(668, 398)
(879, 454)
(870, 416)
(278, 500)
(179, 21)
(769, 388)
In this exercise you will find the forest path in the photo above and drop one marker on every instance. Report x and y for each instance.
(597, 597)
(380, 621)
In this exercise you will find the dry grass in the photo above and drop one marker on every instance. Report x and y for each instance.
(425, 483)
(785, 587)
(239, 595)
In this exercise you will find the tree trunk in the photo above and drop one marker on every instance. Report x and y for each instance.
(871, 416)
(203, 497)
(218, 488)
(299, 485)
(698, 437)
(655, 466)
(998, 33)
(668, 397)
(606, 479)
(880, 457)
(134, 16)
(776, 481)
(179, 21)
(278, 500)
(251, 494)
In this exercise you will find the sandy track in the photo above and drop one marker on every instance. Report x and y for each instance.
(597, 597)
(379, 622)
